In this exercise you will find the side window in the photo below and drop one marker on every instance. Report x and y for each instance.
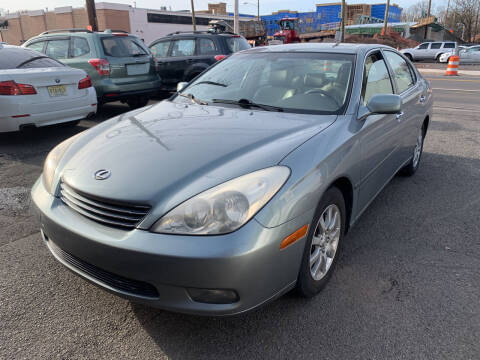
(206, 47)
(80, 47)
(183, 47)
(57, 49)
(401, 71)
(160, 49)
(436, 46)
(423, 46)
(37, 46)
(376, 79)
(449, 46)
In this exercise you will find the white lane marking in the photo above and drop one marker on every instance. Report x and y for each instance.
(464, 90)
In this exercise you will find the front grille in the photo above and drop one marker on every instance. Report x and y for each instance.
(102, 210)
(133, 287)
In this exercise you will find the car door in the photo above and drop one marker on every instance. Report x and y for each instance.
(414, 98)
(421, 51)
(181, 56)
(379, 133)
(160, 51)
(434, 49)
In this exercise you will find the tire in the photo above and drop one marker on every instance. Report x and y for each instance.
(308, 285)
(409, 57)
(138, 102)
(413, 165)
(438, 58)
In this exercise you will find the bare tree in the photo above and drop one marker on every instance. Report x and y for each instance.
(462, 18)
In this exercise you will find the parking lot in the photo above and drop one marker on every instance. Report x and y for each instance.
(407, 285)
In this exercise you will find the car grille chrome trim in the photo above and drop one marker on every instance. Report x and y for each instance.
(103, 211)
(108, 279)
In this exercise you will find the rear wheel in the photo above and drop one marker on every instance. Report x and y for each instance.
(412, 167)
(322, 247)
(138, 102)
(409, 57)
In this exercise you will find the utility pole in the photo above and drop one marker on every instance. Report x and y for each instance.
(193, 16)
(92, 14)
(446, 14)
(258, 9)
(342, 23)
(385, 20)
(236, 24)
(428, 15)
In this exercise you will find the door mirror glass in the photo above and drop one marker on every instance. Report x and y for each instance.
(181, 85)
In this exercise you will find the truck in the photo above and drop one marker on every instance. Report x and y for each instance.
(288, 32)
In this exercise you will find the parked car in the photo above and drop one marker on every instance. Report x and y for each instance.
(120, 65)
(445, 56)
(243, 185)
(181, 56)
(469, 55)
(36, 90)
(429, 50)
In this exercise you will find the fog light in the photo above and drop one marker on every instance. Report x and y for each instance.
(213, 296)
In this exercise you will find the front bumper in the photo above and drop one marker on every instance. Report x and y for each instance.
(247, 261)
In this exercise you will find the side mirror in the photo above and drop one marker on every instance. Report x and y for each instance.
(181, 85)
(381, 104)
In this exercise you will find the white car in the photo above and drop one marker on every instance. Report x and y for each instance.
(429, 50)
(36, 90)
(468, 55)
(445, 56)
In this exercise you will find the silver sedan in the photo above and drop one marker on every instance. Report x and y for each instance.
(243, 185)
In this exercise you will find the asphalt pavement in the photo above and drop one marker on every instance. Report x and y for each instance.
(407, 285)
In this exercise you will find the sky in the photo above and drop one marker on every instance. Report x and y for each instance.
(246, 6)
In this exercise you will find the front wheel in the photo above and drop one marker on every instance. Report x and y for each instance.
(409, 57)
(412, 167)
(438, 58)
(322, 247)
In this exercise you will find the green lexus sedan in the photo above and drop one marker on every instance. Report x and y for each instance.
(241, 186)
(119, 64)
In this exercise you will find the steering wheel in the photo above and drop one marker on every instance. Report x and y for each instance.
(324, 93)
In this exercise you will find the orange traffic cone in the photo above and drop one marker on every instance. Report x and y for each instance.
(452, 67)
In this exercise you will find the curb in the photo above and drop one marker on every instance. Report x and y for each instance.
(442, 72)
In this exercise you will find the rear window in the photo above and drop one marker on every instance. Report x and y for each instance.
(20, 58)
(122, 46)
(237, 44)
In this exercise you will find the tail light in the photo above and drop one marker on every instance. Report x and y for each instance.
(101, 65)
(85, 83)
(12, 88)
(220, 57)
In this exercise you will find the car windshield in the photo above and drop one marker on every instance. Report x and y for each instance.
(122, 46)
(291, 82)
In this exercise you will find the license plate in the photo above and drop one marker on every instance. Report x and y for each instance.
(138, 69)
(57, 90)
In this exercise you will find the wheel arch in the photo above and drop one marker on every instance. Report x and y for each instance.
(345, 186)
(425, 124)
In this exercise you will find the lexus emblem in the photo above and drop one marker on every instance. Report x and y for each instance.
(57, 81)
(102, 174)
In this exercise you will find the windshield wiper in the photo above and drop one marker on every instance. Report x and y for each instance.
(193, 99)
(248, 103)
(32, 59)
(210, 83)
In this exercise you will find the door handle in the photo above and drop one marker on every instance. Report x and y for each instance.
(399, 115)
(423, 98)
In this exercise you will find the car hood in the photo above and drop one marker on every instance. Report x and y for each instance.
(169, 152)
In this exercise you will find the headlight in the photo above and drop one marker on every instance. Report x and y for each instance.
(52, 160)
(226, 207)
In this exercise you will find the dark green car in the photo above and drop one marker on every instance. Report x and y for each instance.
(120, 65)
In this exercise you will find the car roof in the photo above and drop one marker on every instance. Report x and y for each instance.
(342, 48)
